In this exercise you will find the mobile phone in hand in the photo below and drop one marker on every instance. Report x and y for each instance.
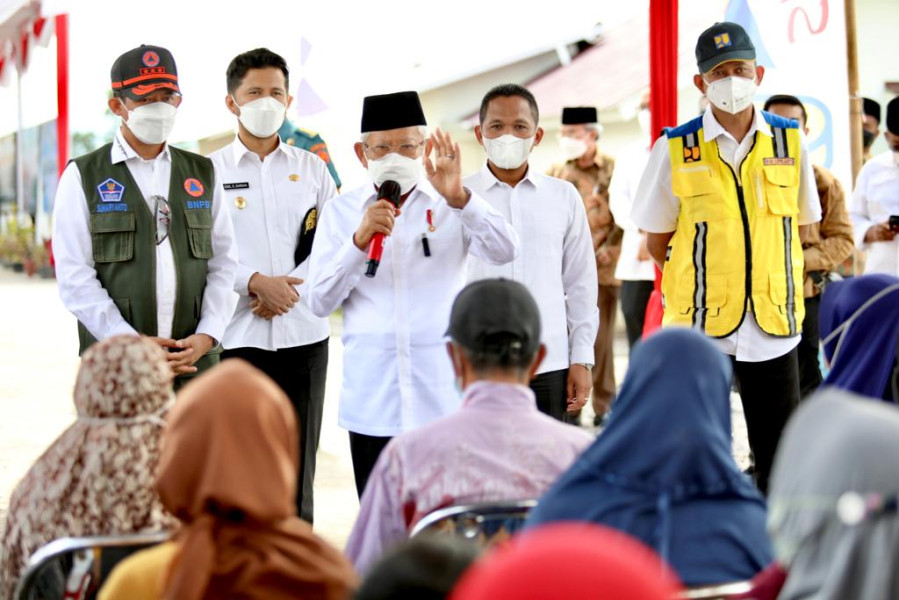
(894, 222)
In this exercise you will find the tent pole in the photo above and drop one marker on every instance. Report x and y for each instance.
(855, 101)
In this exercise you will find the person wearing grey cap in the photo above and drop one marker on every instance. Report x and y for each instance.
(875, 202)
(497, 446)
(724, 199)
(141, 240)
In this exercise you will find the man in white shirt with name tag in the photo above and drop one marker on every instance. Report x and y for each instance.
(275, 193)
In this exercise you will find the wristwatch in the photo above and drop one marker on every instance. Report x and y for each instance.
(587, 366)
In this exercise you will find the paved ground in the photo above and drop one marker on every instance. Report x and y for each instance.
(38, 362)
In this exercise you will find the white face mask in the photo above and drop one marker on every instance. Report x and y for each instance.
(262, 117)
(572, 147)
(508, 151)
(644, 119)
(395, 167)
(151, 123)
(731, 94)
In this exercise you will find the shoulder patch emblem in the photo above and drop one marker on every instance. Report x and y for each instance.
(194, 187)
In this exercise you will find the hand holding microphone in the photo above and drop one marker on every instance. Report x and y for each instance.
(377, 223)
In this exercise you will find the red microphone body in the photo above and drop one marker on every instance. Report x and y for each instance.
(390, 191)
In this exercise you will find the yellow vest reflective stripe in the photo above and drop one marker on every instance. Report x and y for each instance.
(736, 247)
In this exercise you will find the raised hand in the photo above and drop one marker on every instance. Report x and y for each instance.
(445, 170)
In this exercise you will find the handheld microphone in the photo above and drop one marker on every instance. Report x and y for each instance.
(390, 191)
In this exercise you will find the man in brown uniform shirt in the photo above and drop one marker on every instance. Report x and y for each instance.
(591, 172)
(824, 246)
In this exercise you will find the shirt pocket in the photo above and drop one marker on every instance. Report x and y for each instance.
(199, 232)
(112, 237)
(781, 189)
(700, 194)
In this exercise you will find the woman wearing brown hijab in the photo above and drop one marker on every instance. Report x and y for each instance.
(228, 472)
(97, 477)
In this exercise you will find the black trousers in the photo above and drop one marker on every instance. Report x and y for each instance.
(300, 372)
(809, 370)
(551, 390)
(365, 450)
(769, 391)
(634, 298)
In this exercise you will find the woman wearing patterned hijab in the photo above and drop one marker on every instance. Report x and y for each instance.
(97, 477)
(228, 472)
(833, 501)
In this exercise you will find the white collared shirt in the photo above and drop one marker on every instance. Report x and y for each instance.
(81, 291)
(396, 373)
(556, 261)
(656, 210)
(269, 201)
(629, 168)
(875, 199)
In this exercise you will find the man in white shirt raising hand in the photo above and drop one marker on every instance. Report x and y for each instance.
(396, 372)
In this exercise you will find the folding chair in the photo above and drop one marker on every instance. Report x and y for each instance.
(79, 564)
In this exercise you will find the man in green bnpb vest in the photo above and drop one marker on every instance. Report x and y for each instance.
(723, 199)
(142, 243)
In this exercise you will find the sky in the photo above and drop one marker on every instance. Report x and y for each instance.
(353, 49)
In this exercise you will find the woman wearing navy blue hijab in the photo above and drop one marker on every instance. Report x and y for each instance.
(859, 329)
(662, 470)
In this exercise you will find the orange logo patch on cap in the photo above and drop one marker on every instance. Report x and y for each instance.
(150, 58)
(193, 187)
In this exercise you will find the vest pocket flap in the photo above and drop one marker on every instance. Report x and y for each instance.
(198, 219)
(112, 237)
(199, 233)
(113, 222)
(782, 175)
(693, 181)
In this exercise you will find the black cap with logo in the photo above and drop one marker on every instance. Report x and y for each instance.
(720, 43)
(489, 307)
(144, 70)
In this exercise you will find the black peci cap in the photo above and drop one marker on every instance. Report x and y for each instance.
(871, 108)
(392, 111)
(579, 115)
(495, 306)
(720, 43)
(144, 70)
(893, 116)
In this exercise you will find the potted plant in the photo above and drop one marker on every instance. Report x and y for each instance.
(40, 258)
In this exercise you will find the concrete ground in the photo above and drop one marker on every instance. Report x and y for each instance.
(38, 363)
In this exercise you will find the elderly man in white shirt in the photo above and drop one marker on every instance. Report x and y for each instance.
(141, 241)
(556, 262)
(874, 210)
(275, 192)
(396, 372)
